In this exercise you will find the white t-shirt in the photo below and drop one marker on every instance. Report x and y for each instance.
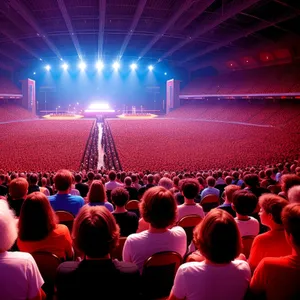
(19, 276)
(198, 280)
(185, 210)
(248, 227)
(109, 186)
(140, 246)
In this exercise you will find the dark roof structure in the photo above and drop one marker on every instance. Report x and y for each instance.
(187, 33)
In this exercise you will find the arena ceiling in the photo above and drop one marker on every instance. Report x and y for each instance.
(184, 33)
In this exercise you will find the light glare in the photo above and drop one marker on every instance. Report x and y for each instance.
(116, 65)
(65, 66)
(99, 65)
(82, 66)
(150, 68)
(48, 67)
(133, 66)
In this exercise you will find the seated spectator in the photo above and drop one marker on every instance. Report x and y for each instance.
(150, 182)
(236, 179)
(228, 194)
(133, 193)
(294, 194)
(83, 188)
(63, 200)
(135, 181)
(252, 184)
(18, 189)
(3, 187)
(97, 195)
(33, 187)
(112, 183)
(228, 180)
(272, 243)
(278, 277)
(244, 203)
(210, 190)
(166, 182)
(268, 180)
(39, 231)
(90, 177)
(19, 275)
(43, 188)
(175, 188)
(220, 275)
(287, 182)
(159, 209)
(96, 234)
(190, 190)
(74, 191)
(127, 220)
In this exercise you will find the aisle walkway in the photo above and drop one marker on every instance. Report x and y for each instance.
(100, 149)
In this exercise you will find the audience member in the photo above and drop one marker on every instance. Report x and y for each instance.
(63, 200)
(127, 221)
(43, 188)
(3, 187)
(83, 188)
(97, 195)
(166, 182)
(294, 194)
(236, 179)
(19, 275)
(287, 182)
(150, 182)
(272, 243)
(252, 184)
(96, 234)
(220, 275)
(244, 203)
(159, 209)
(135, 181)
(133, 192)
(210, 190)
(33, 187)
(18, 189)
(39, 231)
(228, 194)
(190, 190)
(278, 277)
(112, 184)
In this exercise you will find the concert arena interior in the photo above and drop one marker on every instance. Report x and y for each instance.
(150, 149)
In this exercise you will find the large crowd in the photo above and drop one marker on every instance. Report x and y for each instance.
(260, 204)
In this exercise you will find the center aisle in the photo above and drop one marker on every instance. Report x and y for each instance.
(100, 149)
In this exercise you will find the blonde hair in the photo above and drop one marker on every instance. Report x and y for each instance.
(8, 227)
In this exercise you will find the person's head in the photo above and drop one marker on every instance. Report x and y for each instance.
(211, 181)
(218, 237)
(269, 172)
(112, 175)
(165, 182)
(33, 179)
(95, 232)
(63, 180)
(2, 178)
(244, 202)
(150, 179)
(176, 180)
(8, 227)
(18, 188)
(228, 180)
(229, 191)
(190, 188)
(96, 192)
(37, 218)
(119, 196)
(90, 175)
(271, 207)
(134, 178)
(78, 178)
(294, 194)
(251, 180)
(288, 181)
(128, 181)
(235, 175)
(158, 207)
(291, 222)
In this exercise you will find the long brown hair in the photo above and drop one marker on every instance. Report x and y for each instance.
(37, 218)
(97, 192)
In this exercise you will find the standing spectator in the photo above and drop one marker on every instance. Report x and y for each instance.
(190, 189)
(18, 190)
(128, 221)
(159, 209)
(278, 277)
(33, 180)
(3, 187)
(228, 194)
(210, 190)
(97, 195)
(112, 184)
(63, 200)
(81, 187)
(244, 203)
(272, 243)
(133, 192)
(19, 275)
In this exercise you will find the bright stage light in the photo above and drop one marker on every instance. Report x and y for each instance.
(166, 73)
(99, 65)
(48, 68)
(133, 66)
(99, 107)
(65, 66)
(150, 68)
(82, 66)
(116, 66)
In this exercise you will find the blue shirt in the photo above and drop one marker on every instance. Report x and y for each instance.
(108, 205)
(210, 191)
(66, 202)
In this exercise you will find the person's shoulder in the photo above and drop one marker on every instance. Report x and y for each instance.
(276, 261)
(253, 220)
(177, 230)
(192, 267)
(132, 215)
(241, 264)
(61, 229)
(52, 198)
(126, 267)
(76, 198)
(20, 256)
(67, 267)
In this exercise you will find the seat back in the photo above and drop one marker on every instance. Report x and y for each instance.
(65, 218)
(209, 202)
(47, 263)
(188, 223)
(247, 241)
(133, 205)
(117, 252)
(274, 189)
(158, 274)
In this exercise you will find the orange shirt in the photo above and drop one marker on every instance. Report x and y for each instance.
(58, 242)
(270, 244)
(277, 278)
